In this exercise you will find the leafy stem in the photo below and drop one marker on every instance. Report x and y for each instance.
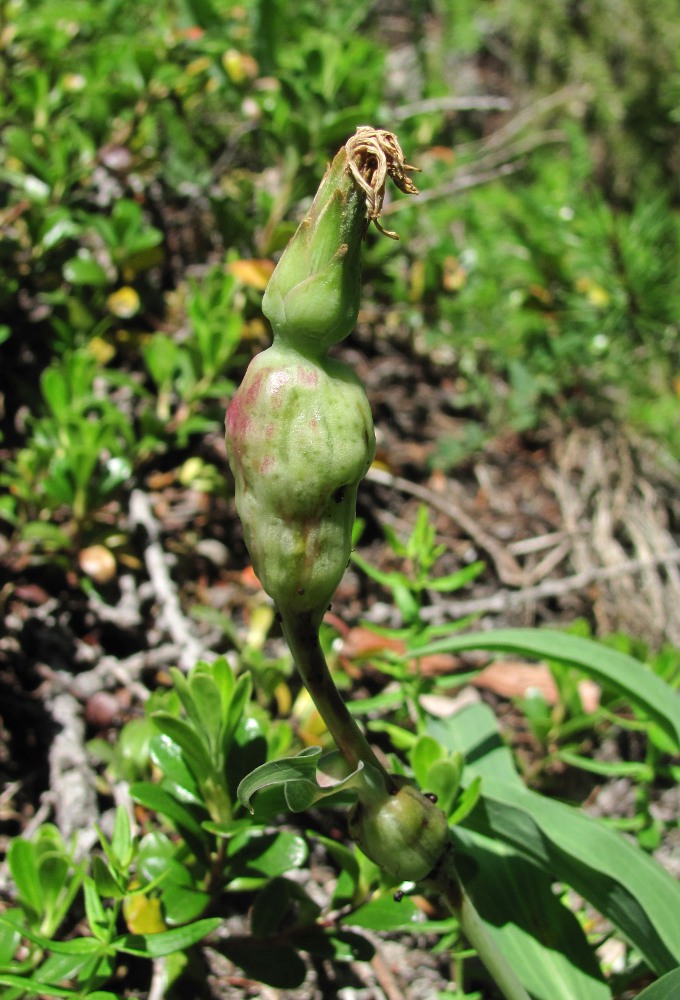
(302, 635)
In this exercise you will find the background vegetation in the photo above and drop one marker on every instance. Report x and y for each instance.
(148, 150)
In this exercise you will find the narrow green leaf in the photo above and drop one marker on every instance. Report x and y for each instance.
(467, 801)
(121, 842)
(239, 699)
(181, 686)
(94, 910)
(55, 873)
(108, 883)
(635, 770)
(56, 392)
(400, 738)
(71, 967)
(10, 935)
(378, 703)
(621, 881)
(457, 580)
(30, 988)
(387, 580)
(623, 673)
(666, 988)
(224, 678)
(206, 698)
(539, 936)
(166, 942)
(77, 946)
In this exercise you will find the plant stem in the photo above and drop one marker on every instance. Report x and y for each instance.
(446, 881)
(302, 635)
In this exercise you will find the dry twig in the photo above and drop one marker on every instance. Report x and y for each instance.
(171, 616)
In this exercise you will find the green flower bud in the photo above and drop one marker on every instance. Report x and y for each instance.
(299, 431)
(404, 833)
(312, 299)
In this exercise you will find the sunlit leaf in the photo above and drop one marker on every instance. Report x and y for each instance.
(619, 671)
(621, 881)
(166, 942)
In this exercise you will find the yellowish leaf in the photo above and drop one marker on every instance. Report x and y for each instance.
(143, 915)
(254, 272)
(101, 350)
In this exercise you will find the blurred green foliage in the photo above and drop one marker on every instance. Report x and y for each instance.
(625, 54)
(149, 151)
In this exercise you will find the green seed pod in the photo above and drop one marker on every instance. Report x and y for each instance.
(300, 439)
(404, 833)
(299, 431)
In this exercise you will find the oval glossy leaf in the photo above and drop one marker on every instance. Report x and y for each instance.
(266, 854)
(281, 906)
(385, 914)
(168, 758)
(182, 903)
(275, 964)
(24, 869)
(85, 271)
